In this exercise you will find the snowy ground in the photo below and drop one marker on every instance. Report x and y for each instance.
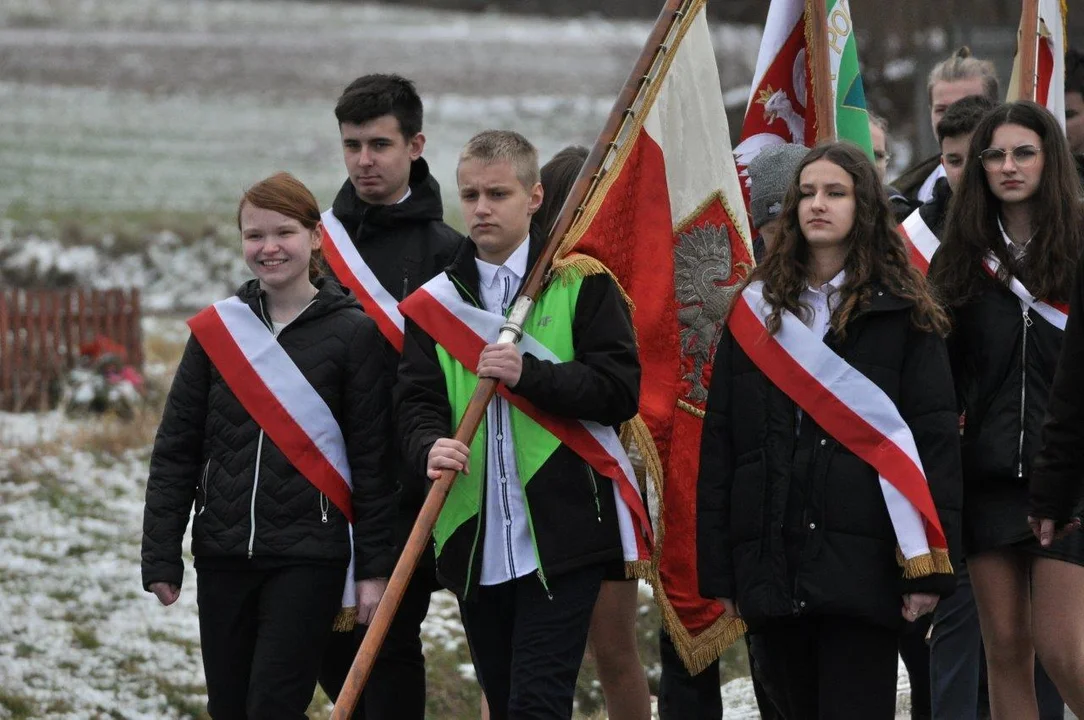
(79, 638)
(134, 105)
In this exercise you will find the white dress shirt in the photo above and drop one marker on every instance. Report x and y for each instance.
(507, 550)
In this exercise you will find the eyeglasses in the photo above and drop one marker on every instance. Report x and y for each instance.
(1022, 156)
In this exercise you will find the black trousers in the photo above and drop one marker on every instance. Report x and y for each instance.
(396, 686)
(683, 696)
(915, 653)
(262, 634)
(527, 646)
(828, 668)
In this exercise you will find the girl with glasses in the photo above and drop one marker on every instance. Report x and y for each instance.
(1014, 233)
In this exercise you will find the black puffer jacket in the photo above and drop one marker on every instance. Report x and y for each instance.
(1057, 477)
(792, 524)
(573, 516)
(405, 245)
(250, 501)
(1003, 360)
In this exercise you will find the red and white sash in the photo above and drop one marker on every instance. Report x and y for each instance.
(273, 390)
(920, 240)
(854, 411)
(464, 330)
(1055, 313)
(350, 269)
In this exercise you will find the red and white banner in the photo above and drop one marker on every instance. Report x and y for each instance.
(275, 392)
(921, 242)
(668, 221)
(464, 330)
(1049, 47)
(350, 269)
(852, 409)
(1055, 313)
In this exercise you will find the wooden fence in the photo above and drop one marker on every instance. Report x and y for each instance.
(41, 332)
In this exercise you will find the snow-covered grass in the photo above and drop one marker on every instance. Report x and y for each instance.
(80, 639)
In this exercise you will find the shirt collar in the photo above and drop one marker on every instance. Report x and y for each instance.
(403, 199)
(1017, 251)
(832, 285)
(516, 264)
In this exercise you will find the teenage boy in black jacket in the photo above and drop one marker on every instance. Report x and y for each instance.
(525, 535)
(391, 208)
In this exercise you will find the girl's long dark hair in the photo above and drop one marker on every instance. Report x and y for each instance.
(876, 254)
(971, 228)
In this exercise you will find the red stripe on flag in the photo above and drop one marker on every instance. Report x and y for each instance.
(1044, 72)
(290, 438)
(832, 414)
(372, 308)
(917, 259)
(466, 346)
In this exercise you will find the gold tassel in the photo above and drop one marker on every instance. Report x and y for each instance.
(576, 266)
(345, 620)
(934, 562)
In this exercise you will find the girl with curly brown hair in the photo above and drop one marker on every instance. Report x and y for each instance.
(830, 472)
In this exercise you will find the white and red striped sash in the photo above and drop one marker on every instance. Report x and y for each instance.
(350, 269)
(273, 390)
(464, 330)
(921, 242)
(851, 408)
(1055, 313)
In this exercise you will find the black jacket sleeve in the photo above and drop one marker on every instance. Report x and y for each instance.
(177, 462)
(927, 404)
(602, 383)
(422, 411)
(714, 557)
(1057, 472)
(367, 431)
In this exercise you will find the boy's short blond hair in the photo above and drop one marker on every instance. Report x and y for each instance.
(490, 146)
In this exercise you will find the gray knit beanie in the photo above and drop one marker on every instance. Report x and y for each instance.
(770, 174)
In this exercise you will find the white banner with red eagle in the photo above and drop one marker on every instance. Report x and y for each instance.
(667, 220)
(781, 107)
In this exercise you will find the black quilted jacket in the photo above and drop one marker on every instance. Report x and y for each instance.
(250, 502)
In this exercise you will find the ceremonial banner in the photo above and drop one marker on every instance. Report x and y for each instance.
(1049, 60)
(662, 220)
(781, 107)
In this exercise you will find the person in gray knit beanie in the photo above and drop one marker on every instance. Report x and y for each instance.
(770, 174)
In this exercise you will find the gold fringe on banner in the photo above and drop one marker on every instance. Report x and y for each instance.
(698, 652)
(935, 561)
(345, 620)
(577, 266)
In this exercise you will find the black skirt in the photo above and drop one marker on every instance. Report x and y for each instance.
(995, 516)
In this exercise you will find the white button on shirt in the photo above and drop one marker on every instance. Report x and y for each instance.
(507, 550)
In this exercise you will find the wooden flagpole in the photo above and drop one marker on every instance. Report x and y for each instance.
(624, 109)
(820, 68)
(1028, 49)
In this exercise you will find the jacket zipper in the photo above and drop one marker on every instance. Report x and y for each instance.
(594, 488)
(406, 283)
(1023, 394)
(259, 443)
(252, 504)
(203, 482)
